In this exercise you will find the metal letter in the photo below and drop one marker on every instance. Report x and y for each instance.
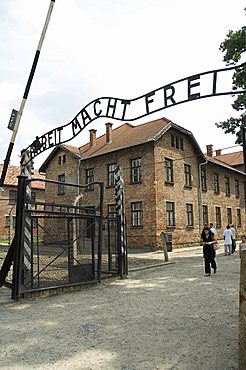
(95, 112)
(169, 87)
(190, 79)
(148, 101)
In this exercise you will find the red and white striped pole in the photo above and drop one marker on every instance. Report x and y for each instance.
(24, 99)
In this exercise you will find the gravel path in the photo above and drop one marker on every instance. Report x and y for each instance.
(168, 317)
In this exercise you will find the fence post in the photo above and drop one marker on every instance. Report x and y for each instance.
(100, 235)
(163, 239)
(18, 251)
(242, 314)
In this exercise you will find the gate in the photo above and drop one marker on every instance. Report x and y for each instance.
(60, 244)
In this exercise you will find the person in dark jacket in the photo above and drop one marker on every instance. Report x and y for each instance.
(207, 241)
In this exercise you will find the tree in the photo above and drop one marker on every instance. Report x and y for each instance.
(234, 46)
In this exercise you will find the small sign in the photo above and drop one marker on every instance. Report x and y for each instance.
(12, 119)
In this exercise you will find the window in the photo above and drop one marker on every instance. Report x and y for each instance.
(229, 216)
(205, 215)
(34, 222)
(111, 169)
(239, 222)
(137, 214)
(189, 214)
(227, 186)
(181, 143)
(237, 193)
(112, 210)
(33, 196)
(89, 174)
(7, 221)
(90, 221)
(173, 141)
(177, 142)
(169, 170)
(218, 216)
(170, 214)
(62, 159)
(136, 175)
(203, 180)
(187, 170)
(12, 196)
(61, 187)
(112, 216)
(216, 183)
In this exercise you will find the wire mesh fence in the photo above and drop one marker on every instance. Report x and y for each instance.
(68, 243)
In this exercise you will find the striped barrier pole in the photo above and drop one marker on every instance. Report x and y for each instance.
(24, 99)
(120, 209)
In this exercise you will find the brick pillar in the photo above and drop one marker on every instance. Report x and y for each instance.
(109, 132)
(209, 150)
(92, 137)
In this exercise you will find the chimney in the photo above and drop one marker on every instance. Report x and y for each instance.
(92, 138)
(209, 150)
(218, 152)
(108, 132)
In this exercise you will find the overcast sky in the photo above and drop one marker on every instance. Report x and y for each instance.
(118, 48)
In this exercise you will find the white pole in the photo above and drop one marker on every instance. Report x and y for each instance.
(26, 92)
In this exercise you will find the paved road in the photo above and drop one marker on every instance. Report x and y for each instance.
(167, 317)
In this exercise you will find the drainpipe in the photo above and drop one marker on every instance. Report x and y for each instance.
(78, 173)
(201, 195)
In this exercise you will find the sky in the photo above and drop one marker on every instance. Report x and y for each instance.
(116, 48)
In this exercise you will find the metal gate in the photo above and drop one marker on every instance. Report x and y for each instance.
(60, 244)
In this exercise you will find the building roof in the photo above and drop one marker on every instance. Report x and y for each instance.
(220, 163)
(71, 148)
(67, 148)
(14, 171)
(127, 135)
(233, 159)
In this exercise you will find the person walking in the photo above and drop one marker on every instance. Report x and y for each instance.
(233, 246)
(207, 241)
(242, 245)
(214, 232)
(212, 228)
(227, 240)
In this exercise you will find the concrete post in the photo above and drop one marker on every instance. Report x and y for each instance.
(242, 314)
(164, 243)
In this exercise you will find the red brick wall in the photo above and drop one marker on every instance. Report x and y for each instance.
(7, 209)
(153, 192)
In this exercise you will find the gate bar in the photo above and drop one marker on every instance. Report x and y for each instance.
(100, 236)
(19, 237)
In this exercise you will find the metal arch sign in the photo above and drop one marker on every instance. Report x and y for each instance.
(203, 85)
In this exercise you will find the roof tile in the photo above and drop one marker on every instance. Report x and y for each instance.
(125, 136)
(233, 159)
(14, 171)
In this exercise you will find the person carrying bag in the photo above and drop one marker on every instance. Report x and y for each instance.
(208, 241)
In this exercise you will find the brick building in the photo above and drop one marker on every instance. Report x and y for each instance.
(8, 197)
(170, 185)
(233, 159)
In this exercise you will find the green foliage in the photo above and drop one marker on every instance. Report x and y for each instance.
(232, 126)
(233, 47)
